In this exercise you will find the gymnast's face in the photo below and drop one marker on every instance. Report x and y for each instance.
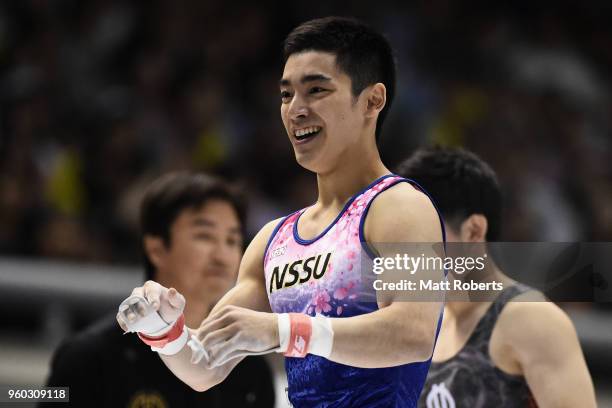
(204, 251)
(322, 118)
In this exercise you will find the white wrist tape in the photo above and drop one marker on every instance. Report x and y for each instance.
(284, 331)
(175, 346)
(321, 340)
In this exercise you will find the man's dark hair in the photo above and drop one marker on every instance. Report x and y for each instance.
(172, 193)
(362, 53)
(460, 183)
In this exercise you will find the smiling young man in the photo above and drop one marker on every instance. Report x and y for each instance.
(300, 288)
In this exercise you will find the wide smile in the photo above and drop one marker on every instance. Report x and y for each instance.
(306, 134)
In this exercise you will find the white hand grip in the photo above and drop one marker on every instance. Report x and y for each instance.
(147, 321)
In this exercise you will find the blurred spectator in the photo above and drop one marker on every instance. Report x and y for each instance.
(192, 239)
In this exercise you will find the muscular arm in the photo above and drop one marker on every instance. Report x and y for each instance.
(401, 331)
(545, 346)
(249, 292)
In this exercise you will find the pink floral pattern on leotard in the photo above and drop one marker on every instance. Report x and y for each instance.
(338, 290)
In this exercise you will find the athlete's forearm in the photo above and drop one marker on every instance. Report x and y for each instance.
(200, 376)
(248, 294)
(197, 376)
(174, 342)
(398, 334)
(387, 337)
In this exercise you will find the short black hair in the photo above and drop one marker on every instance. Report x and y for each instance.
(174, 192)
(361, 52)
(460, 182)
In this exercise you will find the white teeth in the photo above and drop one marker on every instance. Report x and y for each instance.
(305, 131)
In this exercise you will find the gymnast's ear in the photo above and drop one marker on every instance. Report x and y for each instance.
(376, 98)
(474, 228)
(155, 250)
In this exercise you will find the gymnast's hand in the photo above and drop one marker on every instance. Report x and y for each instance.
(234, 331)
(169, 304)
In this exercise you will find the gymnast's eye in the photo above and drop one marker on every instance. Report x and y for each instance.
(204, 236)
(285, 96)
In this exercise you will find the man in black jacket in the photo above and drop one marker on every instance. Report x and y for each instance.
(192, 228)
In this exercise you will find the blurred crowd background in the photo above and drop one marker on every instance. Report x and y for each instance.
(98, 98)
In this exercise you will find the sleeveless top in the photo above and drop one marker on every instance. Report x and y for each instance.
(323, 276)
(470, 378)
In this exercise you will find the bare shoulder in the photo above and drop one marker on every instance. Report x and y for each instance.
(402, 190)
(402, 214)
(265, 232)
(532, 325)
